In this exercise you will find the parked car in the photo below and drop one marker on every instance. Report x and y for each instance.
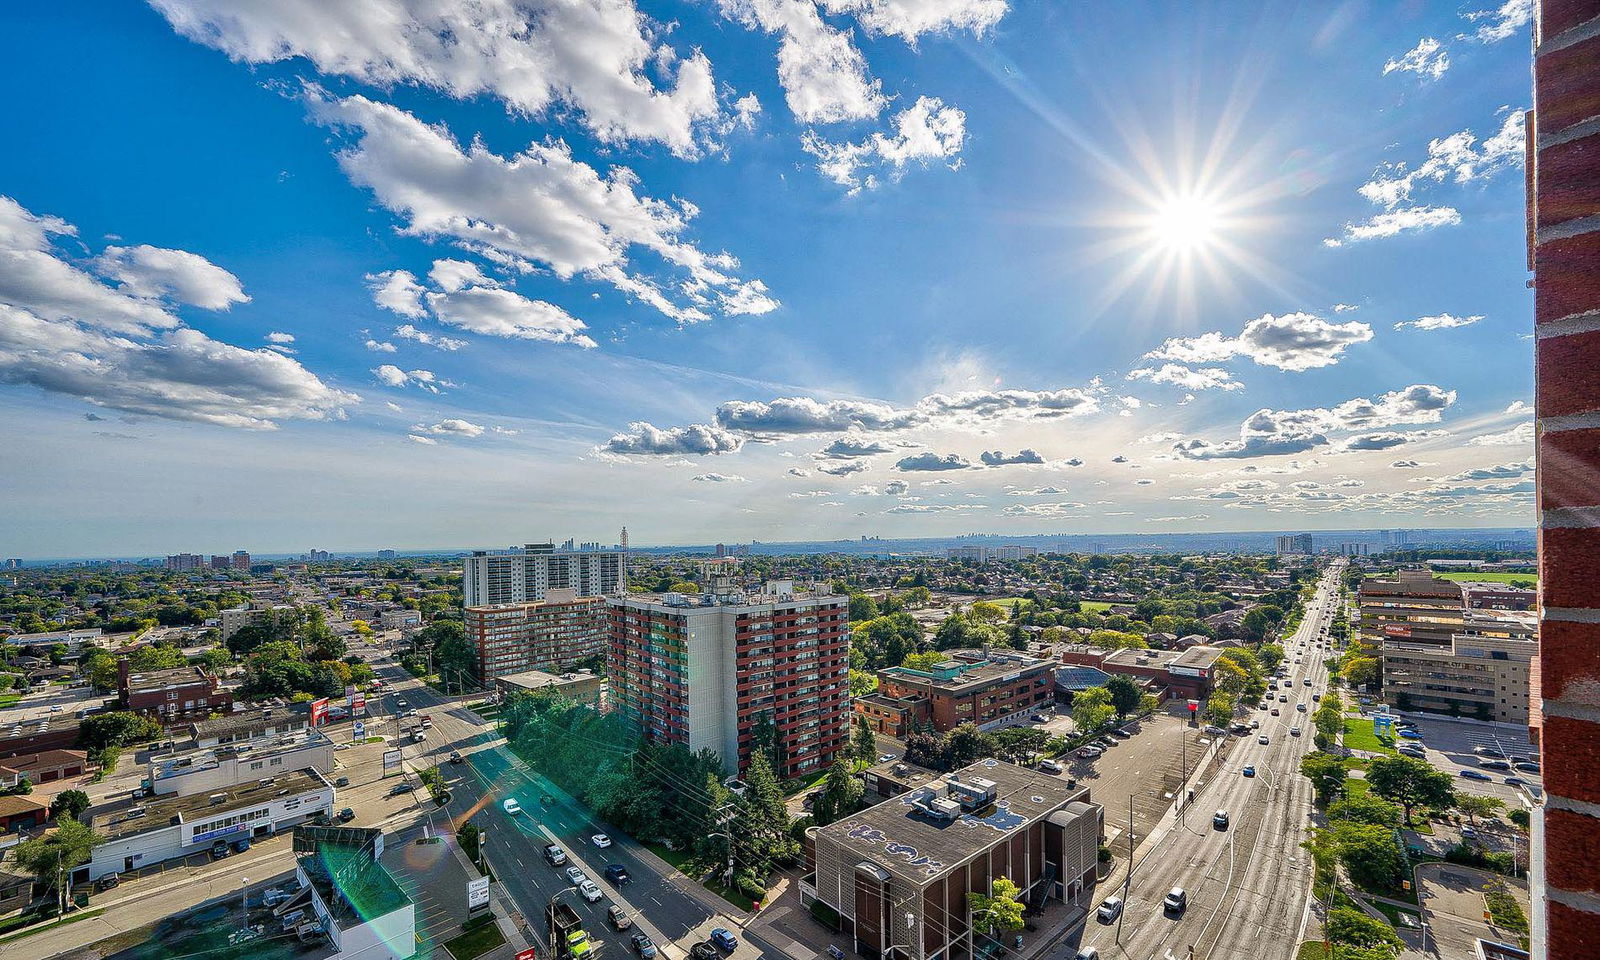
(1088, 953)
(1494, 764)
(1294, 731)
(589, 890)
(1300, 707)
(1049, 766)
(511, 806)
(106, 882)
(1176, 900)
(346, 815)
(342, 782)
(1410, 734)
(1089, 753)
(617, 874)
(554, 855)
(1041, 718)
(724, 939)
(1276, 712)
(704, 950)
(1214, 730)
(1110, 909)
(1476, 775)
(1516, 782)
(885, 757)
(1263, 740)
(644, 946)
(219, 850)
(1527, 766)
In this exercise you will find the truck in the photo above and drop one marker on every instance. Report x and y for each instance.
(563, 921)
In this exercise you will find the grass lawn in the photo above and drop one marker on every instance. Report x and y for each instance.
(807, 783)
(1005, 601)
(9, 699)
(475, 943)
(1393, 913)
(685, 865)
(1094, 606)
(1358, 735)
(1495, 577)
(1312, 950)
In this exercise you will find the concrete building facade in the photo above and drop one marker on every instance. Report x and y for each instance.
(519, 575)
(552, 634)
(1482, 674)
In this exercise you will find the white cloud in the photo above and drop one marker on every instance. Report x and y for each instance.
(852, 446)
(601, 61)
(932, 461)
(1506, 20)
(278, 337)
(1396, 222)
(1443, 321)
(468, 299)
(1280, 432)
(1345, 307)
(1203, 378)
(926, 132)
(1518, 435)
(417, 438)
(719, 478)
(798, 472)
(1428, 60)
(695, 439)
(399, 292)
(843, 469)
(995, 458)
(379, 347)
(452, 427)
(909, 19)
(824, 77)
(539, 207)
(896, 488)
(392, 376)
(1293, 341)
(1406, 464)
(67, 331)
(1518, 406)
(407, 332)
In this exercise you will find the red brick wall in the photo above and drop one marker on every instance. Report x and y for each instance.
(1564, 205)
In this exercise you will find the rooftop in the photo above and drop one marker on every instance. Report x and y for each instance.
(162, 679)
(957, 673)
(918, 835)
(181, 762)
(353, 884)
(245, 721)
(539, 679)
(126, 817)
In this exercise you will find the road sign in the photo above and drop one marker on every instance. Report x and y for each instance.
(391, 761)
(477, 893)
(359, 729)
(528, 954)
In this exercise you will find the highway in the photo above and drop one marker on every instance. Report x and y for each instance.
(1247, 885)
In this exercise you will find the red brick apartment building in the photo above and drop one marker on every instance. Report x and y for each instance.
(551, 634)
(170, 695)
(702, 671)
(1564, 252)
(981, 687)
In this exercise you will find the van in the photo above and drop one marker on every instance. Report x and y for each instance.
(1176, 900)
(1049, 766)
(1110, 909)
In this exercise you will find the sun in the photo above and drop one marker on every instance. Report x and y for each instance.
(1185, 224)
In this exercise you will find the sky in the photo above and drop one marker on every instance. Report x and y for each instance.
(417, 273)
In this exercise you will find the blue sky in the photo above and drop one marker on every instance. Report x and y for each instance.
(760, 269)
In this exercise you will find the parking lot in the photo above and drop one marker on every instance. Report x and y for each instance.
(1449, 745)
(1148, 768)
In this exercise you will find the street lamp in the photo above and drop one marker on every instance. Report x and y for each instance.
(244, 901)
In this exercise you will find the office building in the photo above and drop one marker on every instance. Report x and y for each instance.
(552, 634)
(185, 562)
(520, 575)
(13, 564)
(1297, 544)
(385, 554)
(704, 671)
(191, 770)
(1414, 607)
(1563, 221)
(894, 878)
(987, 687)
(172, 695)
(1481, 674)
(1180, 673)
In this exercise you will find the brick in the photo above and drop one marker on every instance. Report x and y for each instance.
(1571, 934)
(1569, 562)
(1558, 16)
(1569, 653)
(1577, 836)
(1566, 85)
(1569, 177)
(1569, 465)
(1570, 756)
(1567, 276)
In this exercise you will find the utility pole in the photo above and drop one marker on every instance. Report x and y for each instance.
(1127, 881)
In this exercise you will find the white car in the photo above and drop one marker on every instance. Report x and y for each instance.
(576, 877)
(1110, 907)
(1263, 740)
(589, 891)
(341, 746)
(511, 806)
(600, 840)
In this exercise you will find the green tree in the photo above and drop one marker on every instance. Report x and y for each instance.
(1371, 854)
(51, 858)
(862, 607)
(1365, 808)
(115, 729)
(155, 658)
(1259, 621)
(863, 742)
(455, 659)
(1125, 694)
(1475, 805)
(966, 744)
(926, 751)
(862, 683)
(1326, 773)
(100, 668)
(1270, 655)
(1020, 744)
(69, 803)
(1360, 671)
(1411, 783)
(1349, 926)
(842, 794)
(923, 661)
(999, 911)
(1092, 709)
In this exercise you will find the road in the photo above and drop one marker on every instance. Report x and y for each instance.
(1247, 885)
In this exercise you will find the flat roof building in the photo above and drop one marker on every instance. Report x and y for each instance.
(552, 634)
(1482, 674)
(897, 874)
(987, 687)
(209, 769)
(172, 695)
(582, 686)
(518, 575)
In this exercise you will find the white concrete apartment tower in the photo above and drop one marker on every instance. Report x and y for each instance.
(527, 573)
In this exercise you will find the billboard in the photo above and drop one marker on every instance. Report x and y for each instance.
(360, 730)
(528, 954)
(391, 761)
(319, 712)
(1397, 629)
(477, 893)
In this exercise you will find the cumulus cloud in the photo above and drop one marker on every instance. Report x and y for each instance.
(994, 458)
(910, 19)
(1294, 341)
(802, 415)
(851, 446)
(719, 478)
(931, 507)
(452, 427)
(1499, 471)
(932, 461)
(798, 472)
(1281, 432)
(1428, 60)
(281, 338)
(896, 488)
(1395, 222)
(1506, 20)
(378, 346)
(1443, 321)
(696, 439)
(418, 438)
(472, 301)
(1055, 511)
(926, 132)
(1518, 435)
(602, 62)
(1205, 378)
(1386, 439)
(538, 208)
(843, 468)
(407, 332)
(108, 333)
(392, 376)
(824, 76)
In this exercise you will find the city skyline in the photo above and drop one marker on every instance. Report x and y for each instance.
(984, 265)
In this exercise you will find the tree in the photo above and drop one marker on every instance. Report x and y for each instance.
(1370, 853)
(155, 658)
(1091, 709)
(1328, 719)
(1348, 926)
(455, 660)
(1476, 805)
(1270, 655)
(100, 667)
(966, 744)
(1326, 773)
(52, 857)
(862, 607)
(1366, 808)
(1260, 621)
(986, 611)
(926, 751)
(71, 803)
(115, 729)
(842, 794)
(862, 683)
(1125, 694)
(1411, 783)
(1360, 671)
(999, 911)
(923, 661)
(1021, 744)
(214, 659)
(863, 742)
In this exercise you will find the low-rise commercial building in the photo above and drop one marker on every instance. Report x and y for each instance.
(188, 772)
(37, 735)
(145, 832)
(1185, 673)
(895, 877)
(1482, 674)
(47, 766)
(583, 686)
(20, 813)
(172, 695)
(248, 725)
(552, 634)
(989, 688)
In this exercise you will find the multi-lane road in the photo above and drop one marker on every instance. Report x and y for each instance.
(1247, 885)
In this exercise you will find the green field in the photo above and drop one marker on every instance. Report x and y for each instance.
(1467, 575)
(1004, 601)
(1358, 735)
(1094, 606)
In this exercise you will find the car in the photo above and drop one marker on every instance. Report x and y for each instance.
(345, 815)
(1088, 953)
(617, 874)
(1049, 766)
(342, 782)
(1041, 718)
(1468, 833)
(1255, 724)
(1475, 775)
(1249, 770)
(554, 855)
(511, 806)
(589, 890)
(1316, 698)
(704, 950)
(1494, 764)
(1283, 698)
(1527, 766)
(106, 882)
(578, 943)
(457, 758)
(575, 875)
(1089, 753)
(1220, 819)
(1294, 731)
(1516, 782)
(219, 850)
(1214, 730)
(1176, 900)
(419, 737)
(1306, 681)
(600, 840)
(1110, 909)
(401, 787)
(1300, 707)
(724, 939)
(1276, 712)
(400, 703)
(644, 946)
(1410, 734)
(1265, 705)
(886, 757)
(1263, 740)
(340, 746)
(1122, 734)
